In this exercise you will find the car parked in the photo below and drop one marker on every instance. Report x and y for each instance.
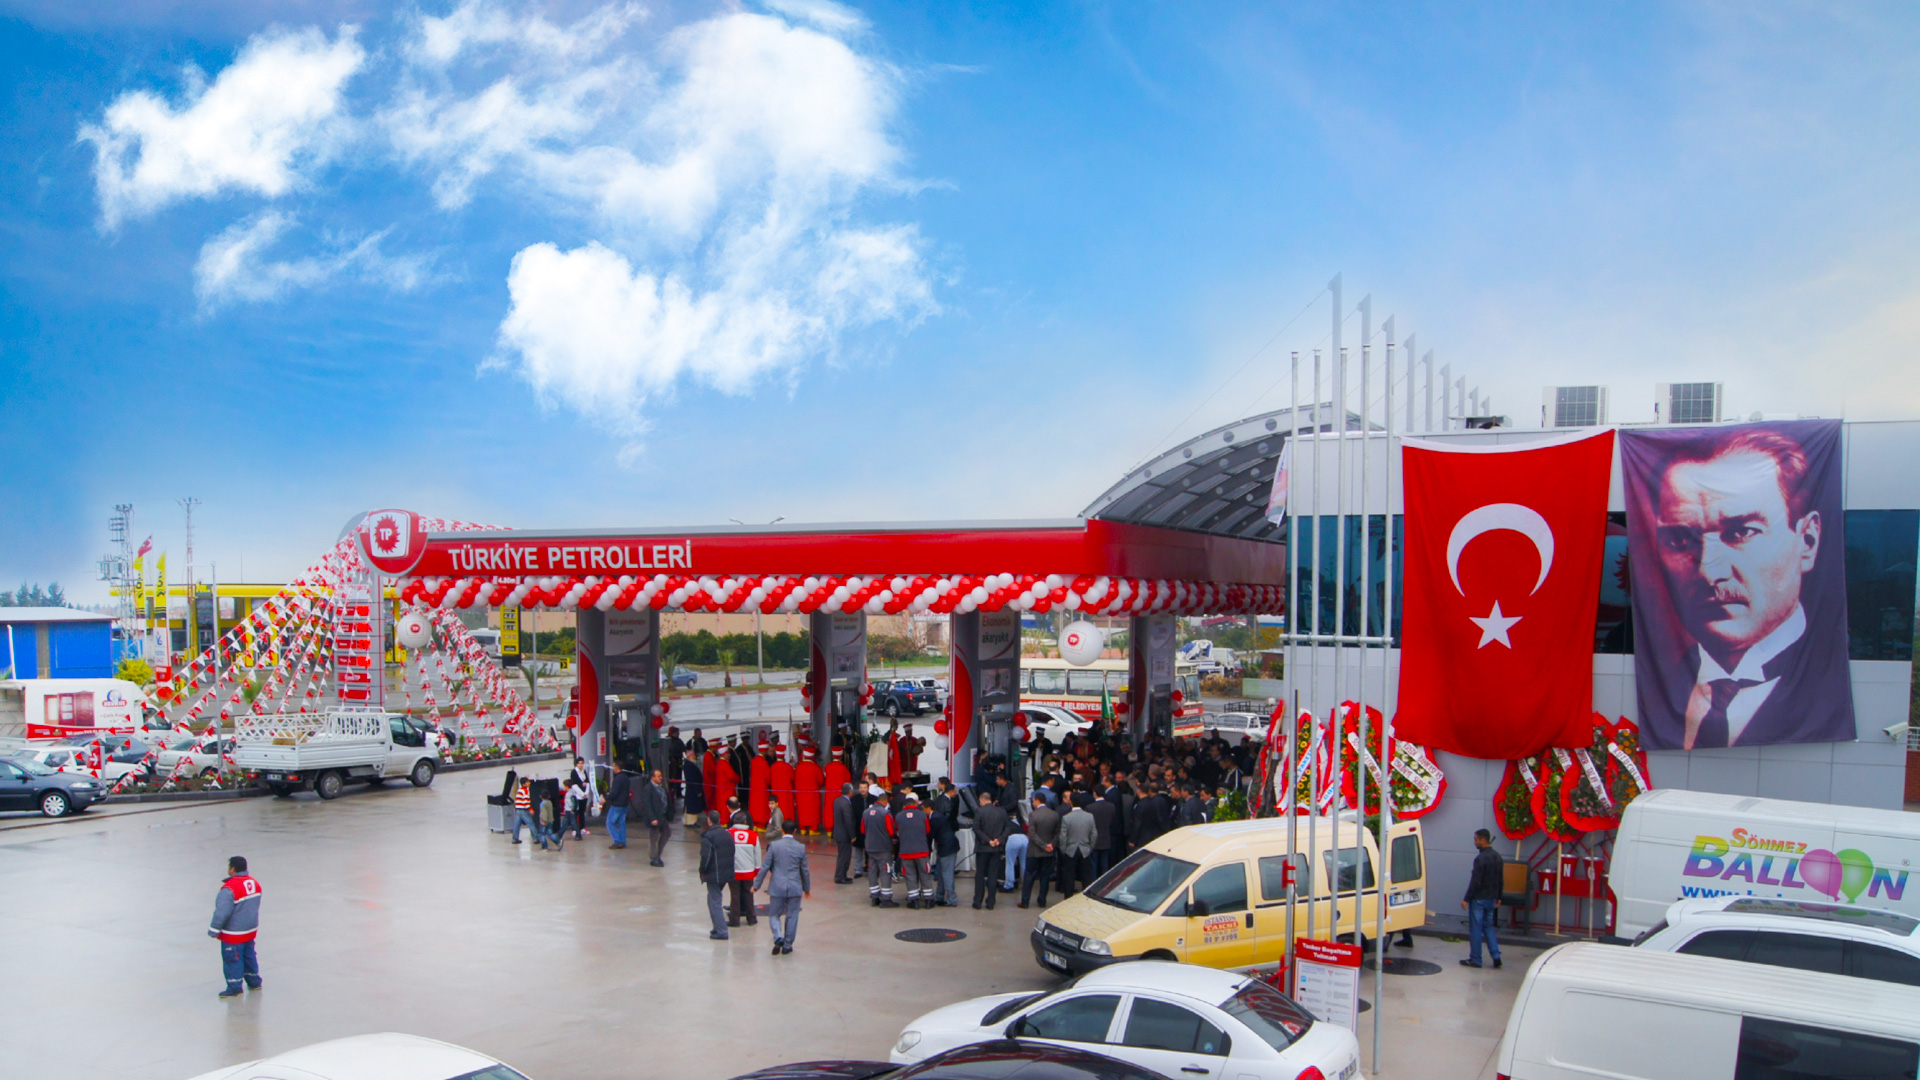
(1839, 939)
(1172, 1019)
(25, 784)
(893, 697)
(120, 753)
(57, 758)
(1005, 1059)
(1055, 723)
(1248, 725)
(683, 678)
(205, 756)
(386, 1056)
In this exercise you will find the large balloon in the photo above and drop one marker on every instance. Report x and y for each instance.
(1821, 869)
(1081, 643)
(1856, 869)
(413, 630)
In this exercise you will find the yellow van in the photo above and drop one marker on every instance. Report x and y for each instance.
(1213, 895)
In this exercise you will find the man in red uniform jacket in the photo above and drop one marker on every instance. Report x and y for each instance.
(236, 920)
(725, 781)
(837, 776)
(710, 778)
(809, 785)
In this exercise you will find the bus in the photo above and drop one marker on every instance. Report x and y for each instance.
(1053, 681)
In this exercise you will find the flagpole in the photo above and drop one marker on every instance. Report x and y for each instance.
(1366, 614)
(1340, 631)
(1385, 872)
(1313, 660)
(1290, 763)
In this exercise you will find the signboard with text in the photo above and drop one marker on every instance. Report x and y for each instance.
(1326, 978)
(509, 637)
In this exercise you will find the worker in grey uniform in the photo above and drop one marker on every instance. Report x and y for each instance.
(876, 826)
(913, 827)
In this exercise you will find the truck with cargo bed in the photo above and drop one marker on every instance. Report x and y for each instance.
(323, 752)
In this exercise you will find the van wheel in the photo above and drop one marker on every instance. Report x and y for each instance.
(328, 784)
(1160, 954)
(422, 773)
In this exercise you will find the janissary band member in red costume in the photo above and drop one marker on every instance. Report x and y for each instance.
(726, 782)
(760, 785)
(911, 747)
(710, 779)
(837, 776)
(781, 777)
(809, 784)
(893, 756)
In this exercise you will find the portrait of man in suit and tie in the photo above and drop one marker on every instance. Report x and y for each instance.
(1739, 586)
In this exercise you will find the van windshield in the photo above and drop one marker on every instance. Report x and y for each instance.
(1142, 881)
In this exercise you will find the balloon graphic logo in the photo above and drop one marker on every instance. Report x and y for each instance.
(1820, 868)
(1856, 869)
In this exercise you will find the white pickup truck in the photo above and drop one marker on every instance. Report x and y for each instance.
(326, 751)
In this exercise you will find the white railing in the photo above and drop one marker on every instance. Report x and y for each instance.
(339, 724)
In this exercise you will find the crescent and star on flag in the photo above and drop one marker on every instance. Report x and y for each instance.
(1496, 517)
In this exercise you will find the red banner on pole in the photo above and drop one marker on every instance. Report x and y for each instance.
(1503, 556)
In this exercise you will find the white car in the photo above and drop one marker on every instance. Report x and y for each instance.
(1250, 725)
(204, 757)
(1055, 723)
(1179, 1020)
(1839, 939)
(58, 758)
(387, 1056)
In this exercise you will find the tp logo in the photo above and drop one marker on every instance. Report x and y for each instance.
(393, 540)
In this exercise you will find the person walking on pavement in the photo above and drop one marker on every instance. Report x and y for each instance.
(1482, 902)
(546, 820)
(846, 830)
(236, 920)
(1077, 833)
(619, 801)
(877, 825)
(746, 866)
(523, 808)
(786, 880)
(716, 871)
(1043, 844)
(915, 830)
(991, 827)
(656, 809)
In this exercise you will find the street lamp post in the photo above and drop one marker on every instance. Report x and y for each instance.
(759, 647)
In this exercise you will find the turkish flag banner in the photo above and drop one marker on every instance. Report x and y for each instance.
(1504, 547)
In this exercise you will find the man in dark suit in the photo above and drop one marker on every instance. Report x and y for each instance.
(991, 827)
(846, 830)
(1737, 533)
(716, 871)
(656, 806)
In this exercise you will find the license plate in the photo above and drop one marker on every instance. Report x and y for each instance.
(1056, 960)
(1353, 1068)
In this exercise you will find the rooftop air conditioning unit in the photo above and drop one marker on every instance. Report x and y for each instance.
(1573, 406)
(1688, 402)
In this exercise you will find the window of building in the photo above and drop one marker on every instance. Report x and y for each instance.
(1881, 548)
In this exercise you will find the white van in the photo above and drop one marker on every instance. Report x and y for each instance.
(1676, 844)
(1590, 1010)
(52, 708)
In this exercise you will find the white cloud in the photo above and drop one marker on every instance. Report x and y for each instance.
(233, 265)
(273, 111)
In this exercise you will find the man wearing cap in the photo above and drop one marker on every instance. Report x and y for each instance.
(877, 826)
(746, 866)
(915, 831)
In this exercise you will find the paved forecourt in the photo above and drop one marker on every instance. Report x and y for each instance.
(395, 909)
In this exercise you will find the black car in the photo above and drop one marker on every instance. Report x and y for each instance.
(25, 784)
(896, 696)
(1003, 1059)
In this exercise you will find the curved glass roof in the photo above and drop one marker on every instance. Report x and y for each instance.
(1217, 482)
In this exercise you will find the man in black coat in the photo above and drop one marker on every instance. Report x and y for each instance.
(1105, 812)
(991, 827)
(675, 747)
(1193, 809)
(1485, 884)
(694, 784)
(716, 871)
(656, 808)
(619, 802)
(846, 830)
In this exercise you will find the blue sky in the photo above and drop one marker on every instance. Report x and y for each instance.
(576, 264)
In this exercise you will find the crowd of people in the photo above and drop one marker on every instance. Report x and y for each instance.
(1048, 819)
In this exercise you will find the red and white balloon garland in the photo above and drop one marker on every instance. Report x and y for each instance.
(768, 594)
